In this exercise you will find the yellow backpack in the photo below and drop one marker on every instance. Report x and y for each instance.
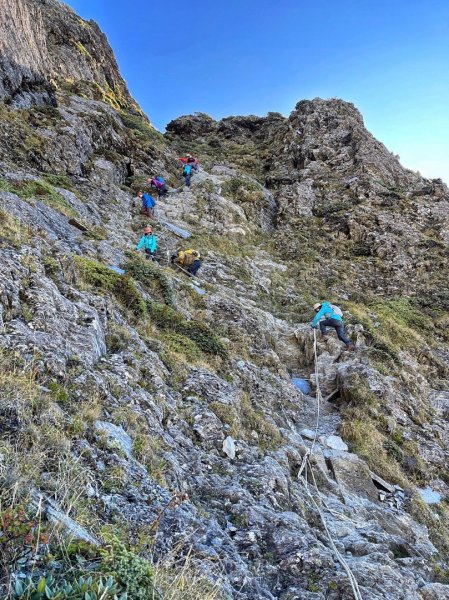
(188, 257)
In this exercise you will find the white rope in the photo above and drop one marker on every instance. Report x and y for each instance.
(318, 410)
(306, 462)
(341, 560)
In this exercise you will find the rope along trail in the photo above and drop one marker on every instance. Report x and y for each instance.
(317, 504)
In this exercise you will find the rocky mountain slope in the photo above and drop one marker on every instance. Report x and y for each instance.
(152, 431)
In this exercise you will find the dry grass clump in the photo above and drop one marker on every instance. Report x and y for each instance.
(12, 231)
(248, 423)
(368, 442)
(184, 582)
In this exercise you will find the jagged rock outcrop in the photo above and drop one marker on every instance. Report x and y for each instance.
(121, 379)
(329, 175)
(45, 44)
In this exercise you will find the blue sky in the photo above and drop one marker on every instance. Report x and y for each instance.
(389, 57)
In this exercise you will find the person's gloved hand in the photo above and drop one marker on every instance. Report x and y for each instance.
(313, 326)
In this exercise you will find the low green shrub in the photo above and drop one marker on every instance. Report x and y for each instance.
(149, 451)
(133, 573)
(58, 392)
(78, 588)
(332, 208)
(394, 450)
(98, 232)
(180, 344)
(243, 190)
(147, 273)
(246, 419)
(167, 318)
(59, 180)
(142, 129)
(121, 286)
(118, 338)
(12, 232)
(364, 438)
(52, 266)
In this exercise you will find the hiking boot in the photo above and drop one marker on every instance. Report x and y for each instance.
(350, 347)
(324, 338)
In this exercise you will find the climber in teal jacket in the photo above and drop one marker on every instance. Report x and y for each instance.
(327, 316)
(149, 242)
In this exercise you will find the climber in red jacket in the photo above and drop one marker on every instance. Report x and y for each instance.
(188, 159)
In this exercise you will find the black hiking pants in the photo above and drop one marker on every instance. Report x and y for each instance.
(193, 268)
(339, 328)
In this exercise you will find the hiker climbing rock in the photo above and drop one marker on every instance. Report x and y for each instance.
(149, 242)
(158, 183)
(190, 160)
(187, 174)
(188, 260)
(191, 164)
(148, 204)
(328, 315)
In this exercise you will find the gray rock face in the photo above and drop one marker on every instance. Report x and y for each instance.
(336, 443)
(62, 521)
(24, 58)
(55, 45)
(434, 591)
(116, 435)
(353, 476)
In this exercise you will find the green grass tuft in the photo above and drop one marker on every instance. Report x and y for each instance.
(122, 287)
(149, 273)
(166, 318)
(42, 191)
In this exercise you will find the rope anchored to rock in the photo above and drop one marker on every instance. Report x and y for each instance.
(317, 504)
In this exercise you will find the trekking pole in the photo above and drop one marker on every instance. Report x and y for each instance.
(190, 274)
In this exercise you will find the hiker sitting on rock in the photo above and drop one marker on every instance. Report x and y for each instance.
(328, 315)
(188, 260)
(148, 204)
(149, 242)
(158, 183)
